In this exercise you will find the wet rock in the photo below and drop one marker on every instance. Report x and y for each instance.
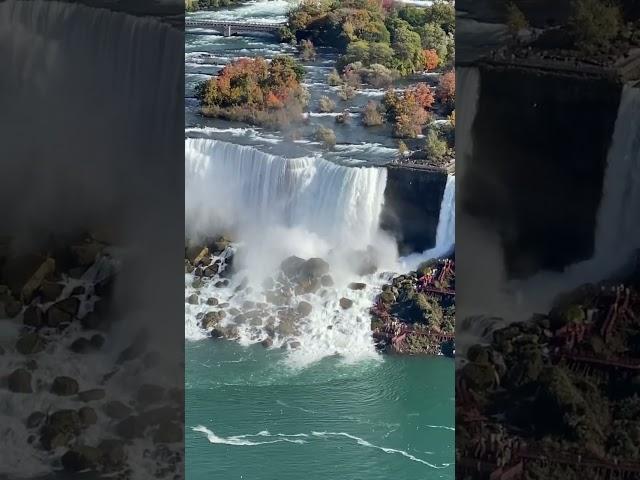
(130, 428)
(35, 419)
(292, 266)
(267, 342)
(212, 301)
(212, 319)
(33, 317)
(86, 253)
(29, 288)
(168, 432)
(149, 394)
(326, 280)
(81, 458)
(30, 343)
(211, 270)
(156, 416)
(346, 303)
(88, 416)
(61, 427)
(196, 253)
(193, 299)
(315, 268)
(81, 345)
(91, 395)
(230, 332)
(97, 341)
(64, 386)
(116, 409)
(387, 297)
(197, 283)
(219, 245)
(221, 283)
(112, 453)
(357, 286)
(276, 298)
(12, 308)
(63, 311)
(20, 381)
(304, 308)
(79, 290)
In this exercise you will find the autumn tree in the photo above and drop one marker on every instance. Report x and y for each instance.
(446, 90)
(431, 60)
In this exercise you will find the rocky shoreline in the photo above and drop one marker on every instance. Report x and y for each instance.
(67, 386)
(415, 313)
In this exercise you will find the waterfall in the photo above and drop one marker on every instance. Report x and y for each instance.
(618, 230)
(240, 187)
(467, 93)
(91, 106)
(93, 97)
(446, 231)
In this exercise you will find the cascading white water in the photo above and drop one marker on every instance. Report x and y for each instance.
(617, 234)
(618, 229)
(445, 232)
(239, 187)
(305, 206)
(89, 102)
(467, 92)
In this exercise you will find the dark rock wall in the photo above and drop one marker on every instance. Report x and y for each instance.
(540, 145)
(412, 206)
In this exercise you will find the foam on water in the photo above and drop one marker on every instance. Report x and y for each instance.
(252, 440)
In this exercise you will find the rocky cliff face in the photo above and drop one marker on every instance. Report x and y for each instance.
(540, 143)
(412, 206)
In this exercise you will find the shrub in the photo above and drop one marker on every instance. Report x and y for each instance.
(594, 23)
(371, 115)
(326, 105)
(436, 148)
(333, 78)
(431, 60)
(378, 76)
(347, 92)
(307, 50)
(516, 21)
(403, 150)
(326, 136)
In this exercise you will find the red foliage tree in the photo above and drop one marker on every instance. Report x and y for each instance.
(446, 91)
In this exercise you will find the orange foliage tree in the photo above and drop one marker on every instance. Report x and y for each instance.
(431, 59)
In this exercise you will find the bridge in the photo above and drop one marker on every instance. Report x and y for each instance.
(229, 28)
